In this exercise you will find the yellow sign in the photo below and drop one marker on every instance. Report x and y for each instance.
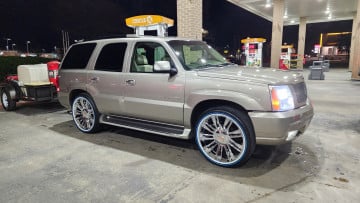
(148, 20)
(253, 40)
(287, 46)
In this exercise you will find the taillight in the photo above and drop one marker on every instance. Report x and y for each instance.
(51, 74)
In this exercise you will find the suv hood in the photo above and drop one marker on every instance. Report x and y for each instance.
(251, 74)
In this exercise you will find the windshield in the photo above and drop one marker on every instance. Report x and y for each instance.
(197, 54)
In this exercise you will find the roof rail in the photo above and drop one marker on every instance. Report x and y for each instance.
(106, 37)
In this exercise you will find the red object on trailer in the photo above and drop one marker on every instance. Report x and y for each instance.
(12, 77)
(53, 68)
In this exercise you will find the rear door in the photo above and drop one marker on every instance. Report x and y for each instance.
(105, 81)
(74, 69)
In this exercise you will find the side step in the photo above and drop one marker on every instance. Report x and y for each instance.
(146, 126)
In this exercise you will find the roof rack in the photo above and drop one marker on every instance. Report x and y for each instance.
(150, 22)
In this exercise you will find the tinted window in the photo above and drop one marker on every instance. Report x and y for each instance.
(78, 56)
(111, 57)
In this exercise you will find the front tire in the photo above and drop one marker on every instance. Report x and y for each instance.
(85, 114)
(225, 136)
(7, 103)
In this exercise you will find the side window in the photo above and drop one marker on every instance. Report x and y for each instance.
(145, 55)
(111, 57)
(78, 56)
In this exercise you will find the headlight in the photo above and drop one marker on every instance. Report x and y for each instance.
(281, 98)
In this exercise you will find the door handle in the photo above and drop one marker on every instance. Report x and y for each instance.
(94, 79)
(130, 82)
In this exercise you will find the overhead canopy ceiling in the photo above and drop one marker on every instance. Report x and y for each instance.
(314, 10)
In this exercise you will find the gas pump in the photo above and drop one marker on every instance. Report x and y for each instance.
(285, 57)
(144, 23)
(253, 51)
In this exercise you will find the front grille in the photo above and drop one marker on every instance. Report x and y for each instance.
(300, 93)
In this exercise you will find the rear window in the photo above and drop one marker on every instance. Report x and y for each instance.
(78, 56)
(111, 57)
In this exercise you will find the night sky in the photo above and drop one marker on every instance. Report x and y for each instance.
(41, 22)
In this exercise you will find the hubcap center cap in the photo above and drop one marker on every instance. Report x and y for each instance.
(221, 136)
(85, 114)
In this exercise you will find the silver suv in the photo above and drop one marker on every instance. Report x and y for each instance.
(185, 89)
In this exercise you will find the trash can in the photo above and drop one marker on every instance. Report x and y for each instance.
(316, 73)
(326, 65)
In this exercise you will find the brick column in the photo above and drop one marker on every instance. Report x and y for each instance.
(189, 19)
(301, 42)
(277, 32)
(352, 45)
(355, 46)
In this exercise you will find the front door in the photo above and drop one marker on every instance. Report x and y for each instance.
(152, 95)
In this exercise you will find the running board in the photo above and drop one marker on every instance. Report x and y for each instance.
(147, 126)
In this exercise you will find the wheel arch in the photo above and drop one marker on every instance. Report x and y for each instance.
(204, 105)
(75, 93)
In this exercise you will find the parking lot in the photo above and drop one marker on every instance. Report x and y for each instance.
(44, 158)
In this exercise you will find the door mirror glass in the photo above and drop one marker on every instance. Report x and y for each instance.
(162, 66)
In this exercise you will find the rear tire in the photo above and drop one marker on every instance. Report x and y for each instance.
(7, 103)
(225, 136)
(85, 114)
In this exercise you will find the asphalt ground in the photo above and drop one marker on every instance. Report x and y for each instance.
(44, 158)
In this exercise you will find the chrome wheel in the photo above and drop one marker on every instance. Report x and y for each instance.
(4, 100)
(221, 138)
(84, 114)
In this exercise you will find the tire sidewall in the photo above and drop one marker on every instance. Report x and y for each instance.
(248, 145)
(11, 104)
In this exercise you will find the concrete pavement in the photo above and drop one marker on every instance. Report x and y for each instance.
(44, 158)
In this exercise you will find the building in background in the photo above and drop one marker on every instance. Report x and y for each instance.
(335, 46)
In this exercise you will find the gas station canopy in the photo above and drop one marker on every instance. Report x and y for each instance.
(314, 10)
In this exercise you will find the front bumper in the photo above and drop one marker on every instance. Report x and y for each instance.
(274, 128)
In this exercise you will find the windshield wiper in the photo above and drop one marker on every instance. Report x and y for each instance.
(227, 64)
(206, 66)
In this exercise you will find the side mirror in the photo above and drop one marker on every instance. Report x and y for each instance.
(162, 66)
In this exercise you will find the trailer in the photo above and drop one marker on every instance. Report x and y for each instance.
(37, 82)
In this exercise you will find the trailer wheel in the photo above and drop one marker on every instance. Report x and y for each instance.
(6, 101)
